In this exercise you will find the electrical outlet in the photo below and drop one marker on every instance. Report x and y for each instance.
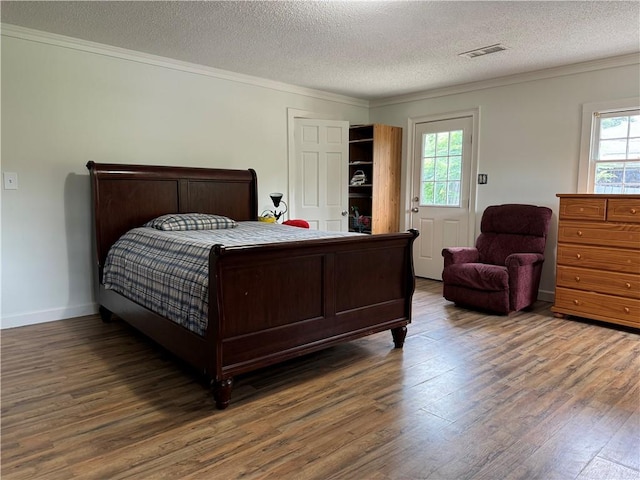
(482, 178)
(10, 180)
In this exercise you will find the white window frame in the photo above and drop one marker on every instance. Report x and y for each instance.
(586, 167)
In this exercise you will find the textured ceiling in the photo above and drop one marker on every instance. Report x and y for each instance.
(363, 49)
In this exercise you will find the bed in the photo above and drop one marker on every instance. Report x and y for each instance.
(267, 302)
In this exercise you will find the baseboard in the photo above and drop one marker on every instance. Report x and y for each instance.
(546, 296)
(44, 316)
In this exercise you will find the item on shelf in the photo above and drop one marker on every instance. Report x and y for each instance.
(360, 223)
(359, 178)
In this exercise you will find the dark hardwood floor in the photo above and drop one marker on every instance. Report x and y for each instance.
(471, 396)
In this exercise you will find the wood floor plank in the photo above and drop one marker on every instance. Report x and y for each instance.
(600, 469)
(470, 396)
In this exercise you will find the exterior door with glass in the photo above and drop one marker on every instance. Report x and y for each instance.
(440, 191)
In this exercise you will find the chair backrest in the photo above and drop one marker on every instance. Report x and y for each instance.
(512, 228)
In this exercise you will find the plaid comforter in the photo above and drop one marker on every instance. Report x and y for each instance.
(167, 271)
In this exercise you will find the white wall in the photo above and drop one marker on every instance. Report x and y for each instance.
(529, 133)
(64, 106)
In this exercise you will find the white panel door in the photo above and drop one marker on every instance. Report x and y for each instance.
(440, 191)
(320, 184)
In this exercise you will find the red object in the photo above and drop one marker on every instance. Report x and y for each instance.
(501, 274)
(297, 223)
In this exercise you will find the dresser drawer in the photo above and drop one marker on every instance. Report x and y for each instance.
(583, 208)
(623, 210)
(597, 306)
(621, 284)
(594, 233)
(611, 259)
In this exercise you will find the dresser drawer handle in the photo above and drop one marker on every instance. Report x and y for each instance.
(626, 310)
(576, 302)
(633, 211)
(578, 256)
(579, 233)
(628, 285)
(577, 278)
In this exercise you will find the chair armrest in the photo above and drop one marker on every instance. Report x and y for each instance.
(460, 255)
(522, 259)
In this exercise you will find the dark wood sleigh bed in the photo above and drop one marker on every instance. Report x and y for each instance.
(267, 303)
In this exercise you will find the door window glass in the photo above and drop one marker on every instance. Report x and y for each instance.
(441, 169)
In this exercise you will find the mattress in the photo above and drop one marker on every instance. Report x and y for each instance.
(167, 271)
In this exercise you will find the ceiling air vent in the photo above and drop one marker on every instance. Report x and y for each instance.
(479, 52)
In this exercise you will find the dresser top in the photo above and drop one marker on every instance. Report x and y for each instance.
(597, 195)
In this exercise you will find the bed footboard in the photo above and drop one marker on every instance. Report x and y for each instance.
(271, 303)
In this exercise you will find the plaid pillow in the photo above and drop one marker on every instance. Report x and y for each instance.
(191, 221)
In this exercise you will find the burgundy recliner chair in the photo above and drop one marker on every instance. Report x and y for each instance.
(501, 274)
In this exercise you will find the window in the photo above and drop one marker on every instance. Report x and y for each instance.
(441, 168)
(612, 160)
(616, 152)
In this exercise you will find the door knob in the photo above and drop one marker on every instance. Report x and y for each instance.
(344, 213)
(415, 209)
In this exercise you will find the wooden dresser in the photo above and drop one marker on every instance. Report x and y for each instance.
(598, 259)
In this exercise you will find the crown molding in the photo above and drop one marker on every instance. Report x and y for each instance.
(572, 69)
(62, 41)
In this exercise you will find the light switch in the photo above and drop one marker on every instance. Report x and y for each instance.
(10, 180)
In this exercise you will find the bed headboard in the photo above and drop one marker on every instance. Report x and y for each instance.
(127, 196)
